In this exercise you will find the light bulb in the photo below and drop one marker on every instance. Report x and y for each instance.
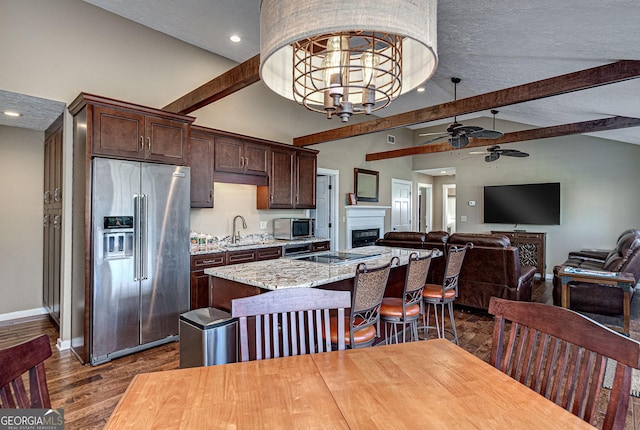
(370, 62)
(331, 63)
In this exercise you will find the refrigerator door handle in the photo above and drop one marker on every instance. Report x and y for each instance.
(144, 242)
(136, 235)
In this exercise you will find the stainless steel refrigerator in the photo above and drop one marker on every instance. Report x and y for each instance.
(140, 255)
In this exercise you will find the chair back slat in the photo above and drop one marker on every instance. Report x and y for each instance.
(288, 322)
(27, 357)
(561, 355)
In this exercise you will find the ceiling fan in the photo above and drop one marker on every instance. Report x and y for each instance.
(459, 134)
(494, 152)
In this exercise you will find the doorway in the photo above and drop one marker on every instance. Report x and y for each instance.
(449, 208)
(401, 207)
(326, 211)
(425, 207)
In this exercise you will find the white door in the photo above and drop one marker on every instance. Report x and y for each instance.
(401, 205)
(323, 206)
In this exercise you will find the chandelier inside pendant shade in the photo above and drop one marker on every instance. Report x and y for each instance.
(344, 58)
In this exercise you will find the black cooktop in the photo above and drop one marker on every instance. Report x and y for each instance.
(336, 257)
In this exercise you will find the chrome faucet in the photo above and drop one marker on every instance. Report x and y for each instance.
(233, 234)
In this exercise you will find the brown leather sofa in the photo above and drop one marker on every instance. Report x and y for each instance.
(491, 268)
(600, 298)
(418, 240)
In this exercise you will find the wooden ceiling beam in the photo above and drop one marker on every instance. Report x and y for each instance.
(576, 81)
(593, 126)
(233, 80)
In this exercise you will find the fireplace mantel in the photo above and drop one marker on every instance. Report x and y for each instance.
(364, 217)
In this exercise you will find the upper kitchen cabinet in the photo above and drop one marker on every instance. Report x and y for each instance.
(234, 155)
(127, 131)
(292, 180)
(201, 162)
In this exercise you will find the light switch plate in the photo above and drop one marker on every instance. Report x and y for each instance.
(463, 218)
(263, 225)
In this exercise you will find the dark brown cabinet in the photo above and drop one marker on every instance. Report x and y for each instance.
(200, 280)
(292, 181)
(320, 246)
(127, 131)
(201, 162)
(52, 219)
(531, 248)
(238, 156)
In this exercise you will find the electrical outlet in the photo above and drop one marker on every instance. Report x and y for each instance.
(463, 218)
(263, 225)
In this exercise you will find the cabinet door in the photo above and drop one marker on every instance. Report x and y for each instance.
(281, 190)
(228, 155)
(118, 133)
(201, 163)
(256, 159)
(56, 170)
(199, 290)
(166, 140)
(305, 181)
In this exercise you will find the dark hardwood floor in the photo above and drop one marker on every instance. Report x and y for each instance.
(89, 394)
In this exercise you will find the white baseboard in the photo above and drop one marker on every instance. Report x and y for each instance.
(23, 314)
(63, 344)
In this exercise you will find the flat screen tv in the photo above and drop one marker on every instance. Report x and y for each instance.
(537, 204)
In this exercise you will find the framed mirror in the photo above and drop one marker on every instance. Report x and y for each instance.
(366, 185)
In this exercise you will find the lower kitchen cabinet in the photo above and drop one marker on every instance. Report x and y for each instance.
(200, 280)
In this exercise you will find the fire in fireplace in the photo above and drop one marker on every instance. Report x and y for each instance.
(364, 237)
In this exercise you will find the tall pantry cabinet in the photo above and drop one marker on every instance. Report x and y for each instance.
(52, 219)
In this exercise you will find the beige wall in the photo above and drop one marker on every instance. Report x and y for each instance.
(21, 170)
(598, 181)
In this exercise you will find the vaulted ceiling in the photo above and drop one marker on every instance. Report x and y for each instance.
(489, 45)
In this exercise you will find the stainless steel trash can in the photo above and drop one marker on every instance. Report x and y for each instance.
(208, 336)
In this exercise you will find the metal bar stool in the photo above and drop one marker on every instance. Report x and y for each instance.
(405, 310)
(445, 294)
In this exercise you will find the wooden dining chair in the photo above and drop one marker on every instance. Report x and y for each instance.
(288, 322)
(361, 328)
(562, 354)
(405, 311)
(15, 361)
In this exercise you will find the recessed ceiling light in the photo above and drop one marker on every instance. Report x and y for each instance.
(235, 38)
(12, 113)
(420, 89)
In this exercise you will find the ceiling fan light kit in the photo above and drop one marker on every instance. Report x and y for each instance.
(344, 58)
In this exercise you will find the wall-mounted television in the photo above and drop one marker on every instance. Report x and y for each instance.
(537, 204)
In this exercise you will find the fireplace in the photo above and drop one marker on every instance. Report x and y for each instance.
(365, 218)
(364, 237)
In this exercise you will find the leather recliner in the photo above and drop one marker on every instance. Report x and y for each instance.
(600, 298)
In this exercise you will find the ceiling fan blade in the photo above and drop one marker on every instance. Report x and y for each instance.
(492, 157)
(433, 139)
(514, 153)
(459, 142)
(466, 129)
(486, 134)
(439, 133)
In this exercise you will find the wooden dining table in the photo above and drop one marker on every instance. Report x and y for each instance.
(416, 385)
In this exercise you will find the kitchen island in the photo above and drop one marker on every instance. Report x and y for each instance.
(248, 279)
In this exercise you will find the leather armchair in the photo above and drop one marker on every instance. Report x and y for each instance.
(491, 268)
(593, 297)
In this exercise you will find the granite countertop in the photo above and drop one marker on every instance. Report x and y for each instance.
(293, 273)
(251, 243)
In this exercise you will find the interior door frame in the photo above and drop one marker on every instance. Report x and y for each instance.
(334, 215)
(445, 205)
(395, 181)
(428, 216)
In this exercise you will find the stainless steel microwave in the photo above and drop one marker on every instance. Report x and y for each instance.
(293, 228)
